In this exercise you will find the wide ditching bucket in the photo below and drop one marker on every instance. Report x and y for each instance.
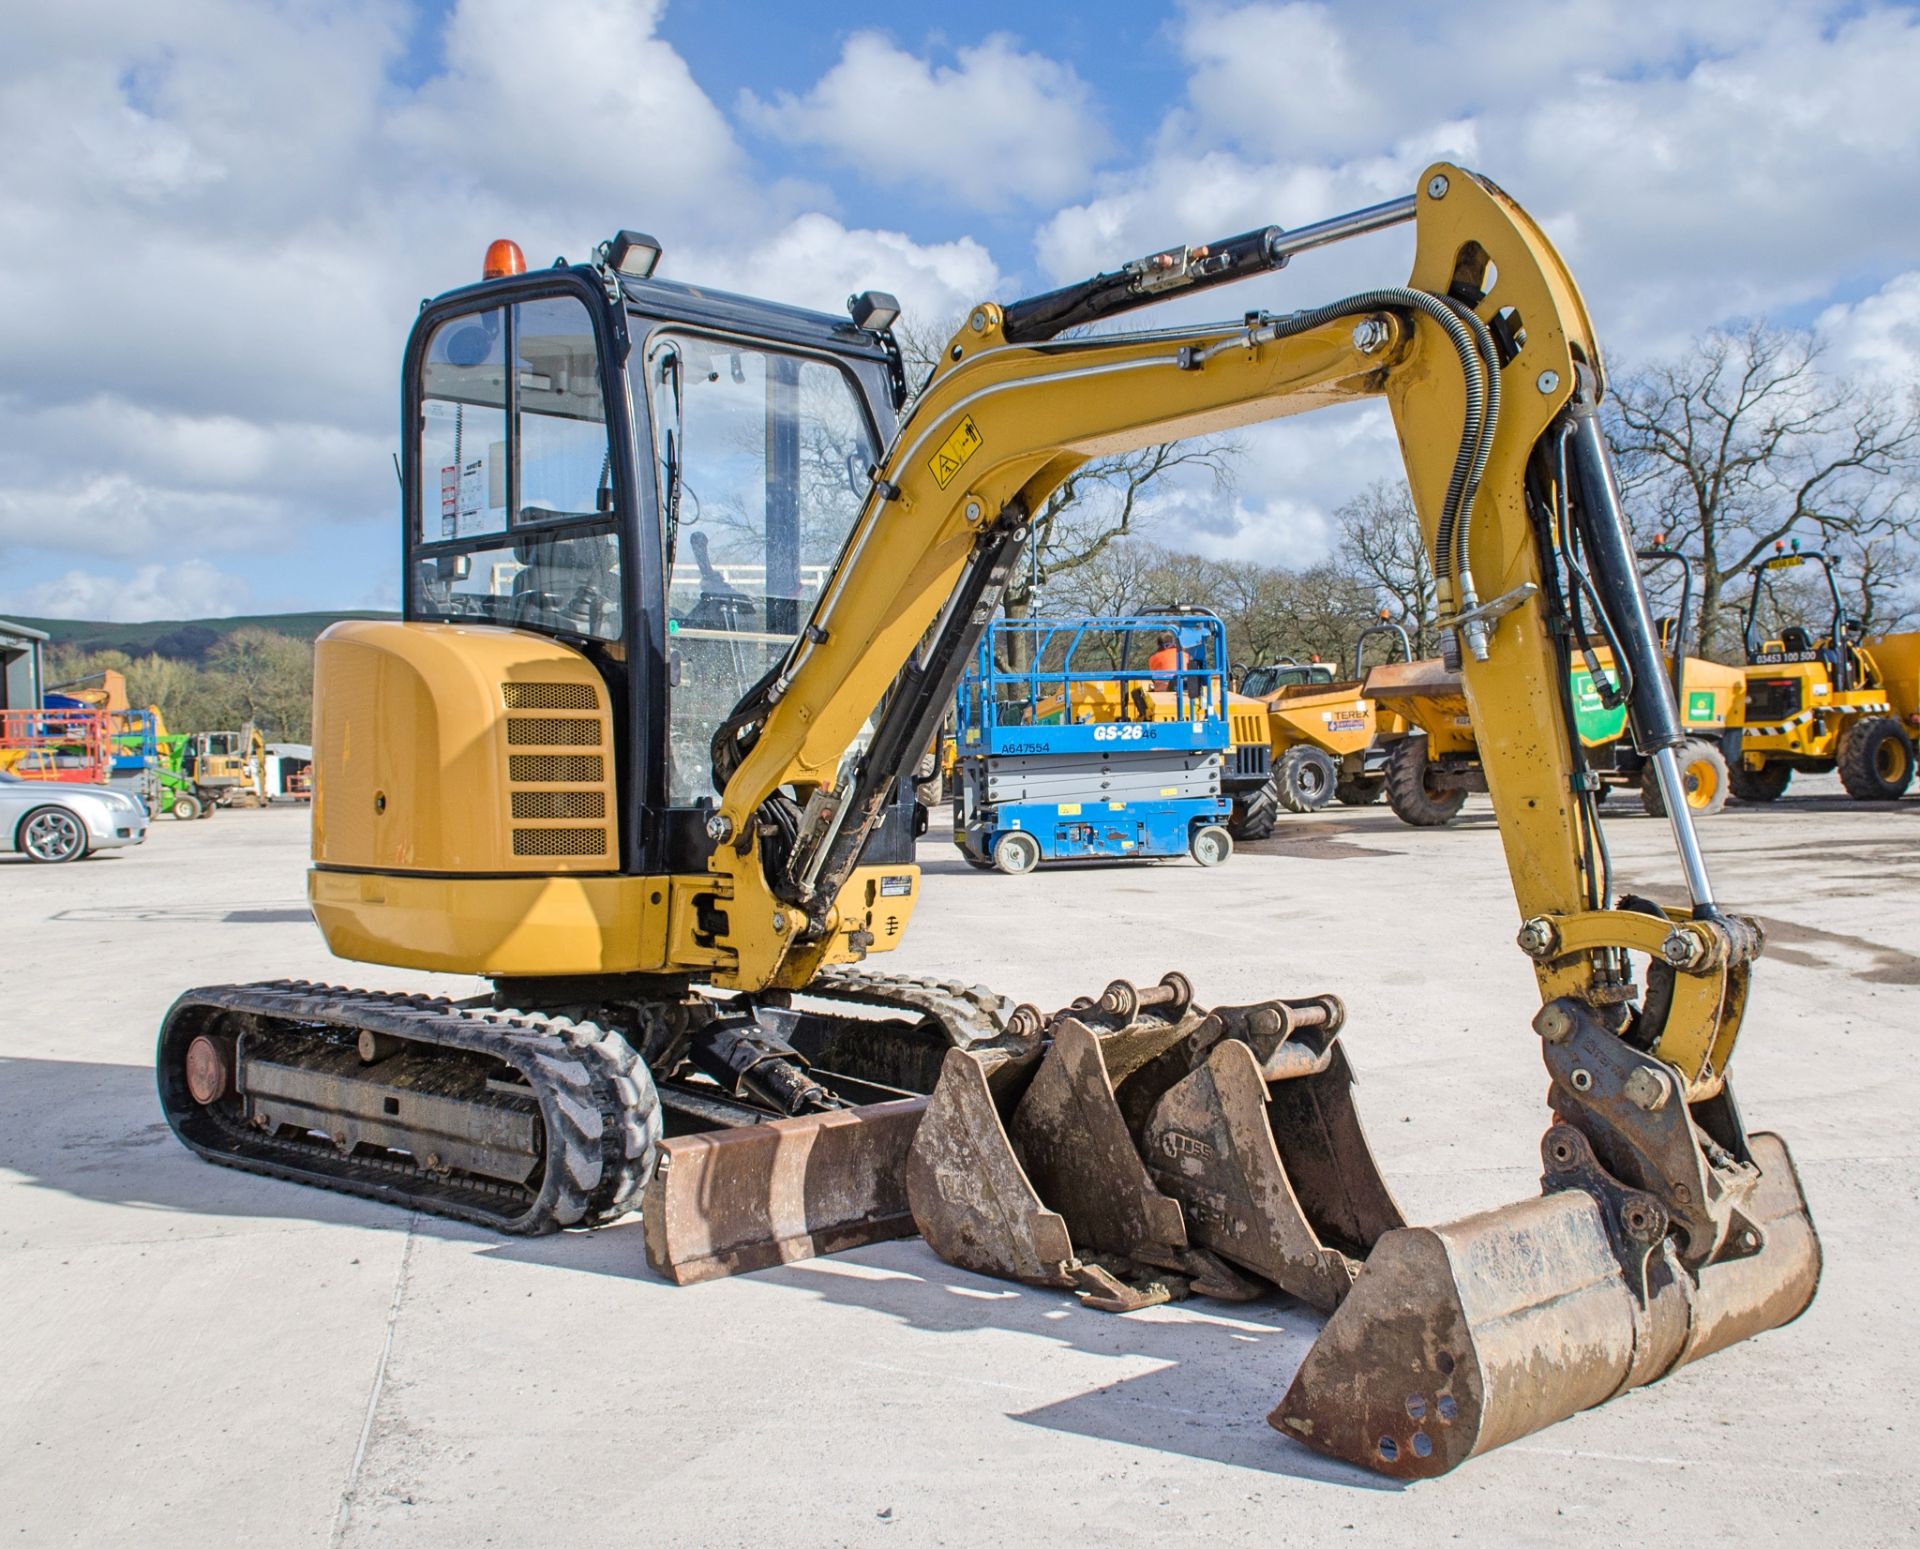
(1460, 1338)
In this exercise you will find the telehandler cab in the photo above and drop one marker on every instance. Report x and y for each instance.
(648, 799)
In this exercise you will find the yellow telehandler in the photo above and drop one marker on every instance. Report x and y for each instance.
(652, 804)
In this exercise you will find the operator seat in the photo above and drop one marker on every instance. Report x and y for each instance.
(569, 581)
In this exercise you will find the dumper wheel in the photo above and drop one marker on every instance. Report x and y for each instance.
(1703, 770)
(1409, 790)
(1255, 813)
(1016, 853)
(1876, 760)
(1768, 783)
(186, 807)
(1210, 844)
(1304, 779)
(1363, 792)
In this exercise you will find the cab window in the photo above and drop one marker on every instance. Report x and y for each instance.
(515, 522)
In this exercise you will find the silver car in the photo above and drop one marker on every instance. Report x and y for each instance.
(47, 820)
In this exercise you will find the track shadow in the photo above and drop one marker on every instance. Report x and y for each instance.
(94, 1132)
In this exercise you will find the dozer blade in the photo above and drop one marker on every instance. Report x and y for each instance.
(1278, 1179)
(1460, 1338)
(730, 1201)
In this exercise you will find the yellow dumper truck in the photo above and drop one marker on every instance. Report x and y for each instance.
(1816, 705)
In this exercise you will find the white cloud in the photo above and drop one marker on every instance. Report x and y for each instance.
(583, 106)
(191, 589)
(221, 215)
(1694, 162)
(1000, 127)
(1289, 478)
(1879, 335)
(815, 261)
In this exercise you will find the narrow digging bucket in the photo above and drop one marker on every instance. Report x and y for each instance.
(1276, 1178)
(969, 1194)
(1458, 1339)
(1042, 1199)
(732, 1201)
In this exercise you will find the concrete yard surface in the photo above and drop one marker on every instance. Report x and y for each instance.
(193, 1356)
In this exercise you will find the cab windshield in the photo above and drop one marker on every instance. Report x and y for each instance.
(763, 460)
(1268, 680)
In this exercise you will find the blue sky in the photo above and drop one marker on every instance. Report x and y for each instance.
(222, 213)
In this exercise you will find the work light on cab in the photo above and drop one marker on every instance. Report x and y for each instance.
(632, 253)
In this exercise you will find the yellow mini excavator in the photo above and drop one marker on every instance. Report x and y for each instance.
(684, 603)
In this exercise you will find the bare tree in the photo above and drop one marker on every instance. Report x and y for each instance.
(1382, 546)
(1743, 442)
(1107, 499)
(1269, 613)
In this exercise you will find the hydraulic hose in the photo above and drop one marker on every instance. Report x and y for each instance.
(1490, 360)
(1476, 435)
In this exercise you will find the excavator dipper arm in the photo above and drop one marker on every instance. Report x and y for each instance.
(1664, 1232)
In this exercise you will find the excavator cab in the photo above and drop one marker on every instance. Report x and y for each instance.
(659, 477)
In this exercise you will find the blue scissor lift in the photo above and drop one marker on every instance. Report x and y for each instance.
(1089, 751)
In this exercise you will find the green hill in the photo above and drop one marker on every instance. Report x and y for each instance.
(183, 639)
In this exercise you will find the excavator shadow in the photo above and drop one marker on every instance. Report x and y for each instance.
(90, 1131)
(1216, 1371)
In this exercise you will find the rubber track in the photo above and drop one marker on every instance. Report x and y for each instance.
(597, 1104)
(967, 1014)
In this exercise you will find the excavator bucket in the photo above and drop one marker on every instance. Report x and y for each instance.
(1458, 1339)
(1244, 1159)
(1155, 1155)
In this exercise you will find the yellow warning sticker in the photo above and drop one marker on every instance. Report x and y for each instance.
(1069, 809)
(954, 452)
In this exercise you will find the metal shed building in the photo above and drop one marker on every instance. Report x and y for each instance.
(20, 666)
